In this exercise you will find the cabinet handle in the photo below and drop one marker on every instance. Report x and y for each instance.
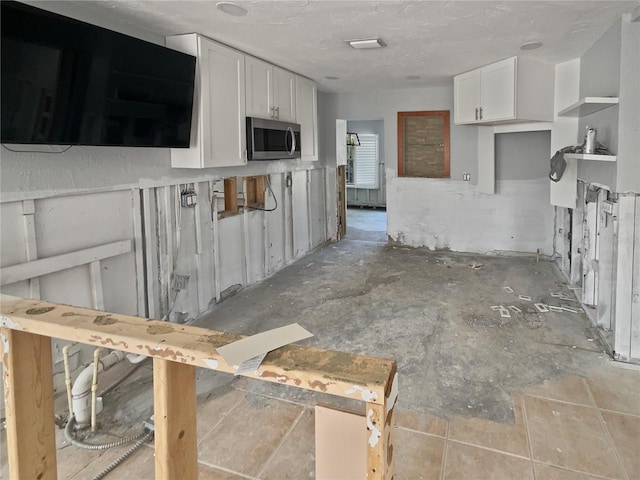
(277, 112)
(273, 112)
(480, 113)
(476, 113)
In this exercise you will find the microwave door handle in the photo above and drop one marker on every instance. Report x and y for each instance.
(293, 141)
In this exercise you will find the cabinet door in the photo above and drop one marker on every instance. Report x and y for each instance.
(284, 94)
(499, 90)
(259, 88)
(223, 104)
(466, 94)
(307, 117)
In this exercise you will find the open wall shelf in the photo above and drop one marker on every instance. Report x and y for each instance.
(590, 156)
(588, 105)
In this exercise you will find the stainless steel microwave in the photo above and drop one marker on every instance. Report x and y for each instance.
(272, 139)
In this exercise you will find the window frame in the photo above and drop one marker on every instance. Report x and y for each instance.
(445, 114)
(376, 184)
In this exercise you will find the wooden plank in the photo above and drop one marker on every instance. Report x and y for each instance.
(310, 368)
(635, 289)
(174, 397)
(31, 244)
(589, 252)
(577, 237)
(260, 190)
(231, 195)
(138, 248)
(45, 266)
(150, 254)
(28, 390)
(380, 426)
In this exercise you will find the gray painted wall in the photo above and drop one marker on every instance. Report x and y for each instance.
(600, 76)
(522, 155)
(449, 213)
(629, 110)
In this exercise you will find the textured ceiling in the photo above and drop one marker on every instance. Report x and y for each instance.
(433, 40)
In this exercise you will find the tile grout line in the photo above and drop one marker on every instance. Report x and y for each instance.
(560, 401)
(525, 420)
(443, 466)
(422, 433)
(223, 469)
(279, 447)
(567, 469)
(608, 410)
(489, 449)
(608, 436)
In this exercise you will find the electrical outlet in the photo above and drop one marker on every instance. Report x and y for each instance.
(466, 177)
(187, 199)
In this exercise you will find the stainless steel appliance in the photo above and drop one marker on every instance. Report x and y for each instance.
(272, 139)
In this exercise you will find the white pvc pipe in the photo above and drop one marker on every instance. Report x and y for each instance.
(81, 391)
(67, 375)
(94, 387)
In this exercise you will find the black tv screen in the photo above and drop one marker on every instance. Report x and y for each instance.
(66, 82)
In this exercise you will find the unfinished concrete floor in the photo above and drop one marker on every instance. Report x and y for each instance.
(481, 396)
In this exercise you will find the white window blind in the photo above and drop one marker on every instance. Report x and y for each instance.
(366, 162)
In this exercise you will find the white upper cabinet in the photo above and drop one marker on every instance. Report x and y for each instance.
(307, 117)
(218, 130)
(270, 91)
(509, 91)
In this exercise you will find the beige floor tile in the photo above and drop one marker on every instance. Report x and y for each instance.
(619, 390)
(625, 432)
(296, 458)
(418, 456)
(246, 438)
(422, 422)
(498, 436)
(549, 472)
(213, 410)
(466, 462)
(569, 436)
(569, 389)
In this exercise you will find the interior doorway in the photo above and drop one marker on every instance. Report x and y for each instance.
(367, 224)
(365, 175)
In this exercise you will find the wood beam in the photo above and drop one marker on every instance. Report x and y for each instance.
(329, 371)
(28, 390)
(174, 394)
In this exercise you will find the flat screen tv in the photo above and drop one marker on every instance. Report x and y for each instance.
(66, 82)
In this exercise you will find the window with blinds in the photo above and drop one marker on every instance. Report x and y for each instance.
(365, 162)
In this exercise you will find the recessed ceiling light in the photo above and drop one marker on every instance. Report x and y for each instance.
(231, 9)
(367, 43)
(331, 77)
(530, 45)
(413, 77)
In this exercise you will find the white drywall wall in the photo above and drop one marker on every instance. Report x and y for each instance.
(435, 214)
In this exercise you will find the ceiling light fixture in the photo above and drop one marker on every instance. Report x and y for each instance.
(231, 9)
(530, 45)
(331, 77)
(367, 43)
